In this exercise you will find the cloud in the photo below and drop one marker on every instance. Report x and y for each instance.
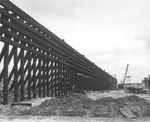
(143, 34)
(49, 7)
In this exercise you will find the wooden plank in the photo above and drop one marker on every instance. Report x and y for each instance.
(29, 76)
(61, 79)
(54, 79)
(126, 111)
(47, 77)
(22, 104)
(40, 76)
(10, 56)
(22, 75)
(1, 56)
(5, 82)
(70, 80)
(26, 68)
(15, 76)
(44, 70)
(51, 82)
(34, 76)
(2, 53)
(58, 79)
(66, 80)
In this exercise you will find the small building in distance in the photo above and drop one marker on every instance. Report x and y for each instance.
(146, 82)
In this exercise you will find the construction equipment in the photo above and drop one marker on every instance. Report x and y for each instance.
(125, 75)
(121, 85)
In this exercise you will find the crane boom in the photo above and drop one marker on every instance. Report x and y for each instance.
(125, 75)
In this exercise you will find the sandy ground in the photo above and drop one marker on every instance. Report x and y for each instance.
(68, 119)
(115, 94)
(93, 95)
(37, 101)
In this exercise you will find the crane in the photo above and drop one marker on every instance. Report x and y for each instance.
(125, 75)
(121, 86)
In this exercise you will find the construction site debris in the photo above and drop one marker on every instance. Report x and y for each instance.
(135, 90)
(21, 104)
(15, 110)
(81, 105)
(93, 104)
(127, 112)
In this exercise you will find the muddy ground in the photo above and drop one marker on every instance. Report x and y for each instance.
(94, 106)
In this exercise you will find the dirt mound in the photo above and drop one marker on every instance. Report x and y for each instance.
(74, 105)
(110, 107)
(138, 106)
(105, 107)
(81, 105)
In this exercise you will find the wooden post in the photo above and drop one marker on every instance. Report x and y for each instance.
(44, 95)
(5, 82)
(22, 75)
(62, 84)
(55, 80)
(29, 76)
(61, 80)
(47, 77)
(34, 76)
(51, 82)
(65, 80)
(58, 79)
(40, 76)
(15, 76)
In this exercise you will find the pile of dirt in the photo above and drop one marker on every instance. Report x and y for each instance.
(106, 107)
(138, 106)
(5, 109)
(74, 105)
(81, 105)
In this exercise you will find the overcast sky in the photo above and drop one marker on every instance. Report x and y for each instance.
(110, 33)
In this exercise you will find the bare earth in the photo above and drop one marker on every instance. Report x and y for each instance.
(69, 119)
(93, 95)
